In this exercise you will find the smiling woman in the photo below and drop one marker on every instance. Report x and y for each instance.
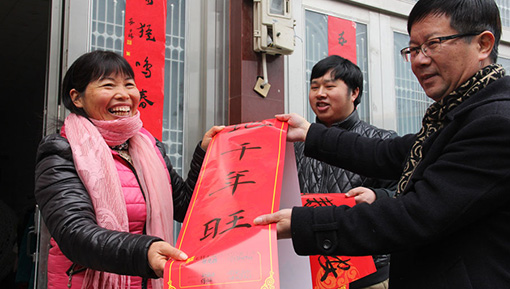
(109, 97)
(97, 82)
(105, 185)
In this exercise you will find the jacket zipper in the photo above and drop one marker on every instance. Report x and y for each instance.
(71, 271)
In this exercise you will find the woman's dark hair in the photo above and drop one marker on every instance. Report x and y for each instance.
(343, 69)
(466, 16)
(91, 67)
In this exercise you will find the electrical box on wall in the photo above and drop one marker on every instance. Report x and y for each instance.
(273, 27)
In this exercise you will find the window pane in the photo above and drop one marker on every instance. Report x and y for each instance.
(362, 60)
(504, 11)
(505, 62)
(316, 47)
(316, 33)
(108, 34)
(173, 116)
(107, 18)
(410, 98)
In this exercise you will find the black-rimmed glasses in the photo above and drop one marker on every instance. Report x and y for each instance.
(431, 46)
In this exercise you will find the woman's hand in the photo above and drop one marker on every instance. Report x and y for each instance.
(209, 135)
(298, 126)
(362, 195)
(160, 252)
(282, 220)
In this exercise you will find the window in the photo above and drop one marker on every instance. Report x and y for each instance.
(504, 11)
(506, 63)
(108, 34)
(411, 100)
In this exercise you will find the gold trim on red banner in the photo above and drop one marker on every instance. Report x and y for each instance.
(226, 255)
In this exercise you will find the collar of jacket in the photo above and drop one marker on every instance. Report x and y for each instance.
(347, 123)
(496, 91)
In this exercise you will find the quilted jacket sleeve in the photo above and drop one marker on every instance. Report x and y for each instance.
(182, 190)
(384, 188)
(69, 215)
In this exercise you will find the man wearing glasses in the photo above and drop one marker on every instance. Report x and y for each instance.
(449, 226)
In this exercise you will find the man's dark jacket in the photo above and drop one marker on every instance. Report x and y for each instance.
(451, 226)
(317, 177)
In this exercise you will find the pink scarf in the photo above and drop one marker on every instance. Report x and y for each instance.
(95, 165)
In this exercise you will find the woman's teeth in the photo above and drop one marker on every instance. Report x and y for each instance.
(120, 111)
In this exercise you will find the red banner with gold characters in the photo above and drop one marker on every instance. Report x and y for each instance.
(240, 179)
(336, 271)
(144, 49)
(342, 38)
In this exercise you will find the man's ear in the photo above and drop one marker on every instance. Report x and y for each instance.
(485, 44)
(354, 94)
(75, 97)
